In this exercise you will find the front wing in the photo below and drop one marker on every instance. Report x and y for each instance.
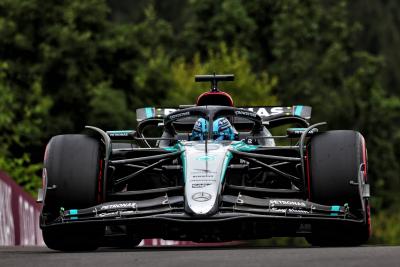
(239, 217)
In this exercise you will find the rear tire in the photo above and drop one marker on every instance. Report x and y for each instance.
(335, 161)
(72, 168)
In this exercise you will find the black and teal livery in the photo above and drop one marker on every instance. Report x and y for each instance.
(119, 187)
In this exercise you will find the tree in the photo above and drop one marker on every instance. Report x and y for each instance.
(318, 63)
(380, 35)
(248, 89)
(22, 114)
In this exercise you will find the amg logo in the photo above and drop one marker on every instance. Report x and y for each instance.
(131, 205)
(287, 202)
(179, 115)
(245, 113)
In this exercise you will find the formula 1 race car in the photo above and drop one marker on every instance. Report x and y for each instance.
(209, 172)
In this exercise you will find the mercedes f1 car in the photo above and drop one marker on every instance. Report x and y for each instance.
(115, 188)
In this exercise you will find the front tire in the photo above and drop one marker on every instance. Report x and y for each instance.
(336, 160)
(72, 168)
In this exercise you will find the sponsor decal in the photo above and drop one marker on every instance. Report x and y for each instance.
(202, 180)
(298, 211)
(274, 202)
(204, 170)
(202, 176)
(111, 214)
(168, 111)
(129, 205)
(200, 185)
(276, 110)
(179, 115)
(245, 113)
(260, 111)
(206, 158)
(119, 133)
(263, 112)
(201, 197)
(290, 211)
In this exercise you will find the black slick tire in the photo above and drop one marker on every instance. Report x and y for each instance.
(336, 159)
(72, 169)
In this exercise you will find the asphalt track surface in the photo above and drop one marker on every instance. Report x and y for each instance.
(205, 256)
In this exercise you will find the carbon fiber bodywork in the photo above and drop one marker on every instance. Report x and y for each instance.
(208, 190)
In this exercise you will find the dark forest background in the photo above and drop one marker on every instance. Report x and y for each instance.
(66, 64)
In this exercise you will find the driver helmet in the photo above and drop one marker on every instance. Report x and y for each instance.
(200, 130)
(222, 130)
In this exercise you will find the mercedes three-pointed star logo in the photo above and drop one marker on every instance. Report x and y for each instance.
(201, 197)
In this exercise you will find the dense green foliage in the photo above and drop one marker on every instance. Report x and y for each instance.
(65, 64)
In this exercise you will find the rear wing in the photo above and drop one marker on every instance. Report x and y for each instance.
(265, 112)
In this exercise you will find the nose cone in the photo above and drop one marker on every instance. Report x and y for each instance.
(203, 177)
(202, 203)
